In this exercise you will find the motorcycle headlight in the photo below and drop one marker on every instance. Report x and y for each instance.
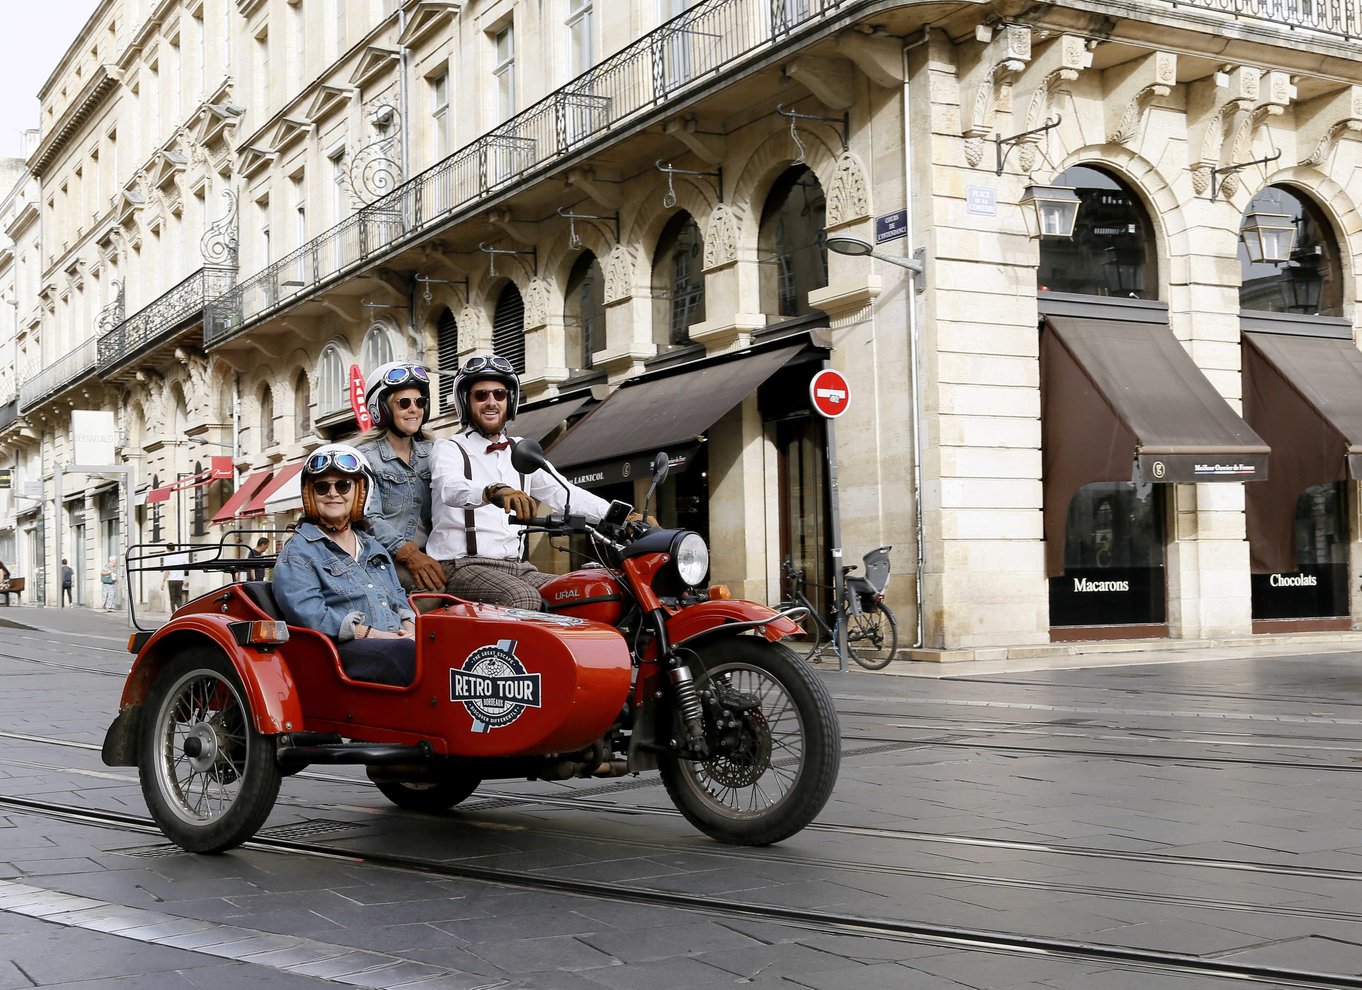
(692, 559)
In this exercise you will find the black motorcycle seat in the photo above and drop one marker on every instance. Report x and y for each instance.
(261, 594)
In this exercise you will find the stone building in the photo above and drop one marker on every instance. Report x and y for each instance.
(1138, 429)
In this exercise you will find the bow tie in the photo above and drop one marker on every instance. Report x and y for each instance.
(499, 445)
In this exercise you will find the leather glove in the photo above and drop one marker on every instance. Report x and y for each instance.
(650, 519)
(516, 503)
(426, 569)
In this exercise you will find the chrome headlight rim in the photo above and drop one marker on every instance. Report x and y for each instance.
(690, 558)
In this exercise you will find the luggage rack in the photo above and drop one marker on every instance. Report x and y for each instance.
(207, 558)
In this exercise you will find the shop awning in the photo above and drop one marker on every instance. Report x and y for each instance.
(259, 503)
(664, 413)
(1121, 401)
(1303, 394)
(248, 487)
(161, 494)
(536, 424)
(219, 469)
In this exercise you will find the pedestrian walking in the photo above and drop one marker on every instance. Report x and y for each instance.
(261, 545)
(108, 582)
(176, 577)
(68, 577)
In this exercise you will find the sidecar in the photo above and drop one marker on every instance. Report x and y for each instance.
(227, 698)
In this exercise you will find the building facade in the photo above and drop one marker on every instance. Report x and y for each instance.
(1071, 437)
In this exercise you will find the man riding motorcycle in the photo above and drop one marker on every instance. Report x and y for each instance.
(476, 489)
(398, 450)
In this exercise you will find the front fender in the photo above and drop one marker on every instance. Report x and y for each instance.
(270, 691)
(696, 619)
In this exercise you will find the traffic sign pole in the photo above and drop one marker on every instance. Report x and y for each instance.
(830, 395)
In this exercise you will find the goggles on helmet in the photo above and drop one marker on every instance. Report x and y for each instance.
(481, 362)
(406, 373)
(341, 460)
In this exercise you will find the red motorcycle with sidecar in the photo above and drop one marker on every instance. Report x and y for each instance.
(632, 667)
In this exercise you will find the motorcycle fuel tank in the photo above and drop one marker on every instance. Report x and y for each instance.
(589, 593)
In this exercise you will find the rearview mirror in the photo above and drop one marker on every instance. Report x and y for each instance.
(527, 457)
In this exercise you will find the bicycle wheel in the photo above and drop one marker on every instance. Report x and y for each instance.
(873, 637)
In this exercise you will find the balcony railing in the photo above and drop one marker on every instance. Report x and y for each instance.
(9, 412)
(68, 368)
(1337, 17)
(713, 37)
(708, 39)
(158, 322)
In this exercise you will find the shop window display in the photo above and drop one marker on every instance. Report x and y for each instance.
(1113, 558)
(1319, 586)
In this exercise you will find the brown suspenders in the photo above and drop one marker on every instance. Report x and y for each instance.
(470, 526)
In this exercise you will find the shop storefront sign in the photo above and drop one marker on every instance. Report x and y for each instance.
(1313, 592)
(6, 478)
(1201, 467)
(1105, 596)
(626, 469)
(357, 405)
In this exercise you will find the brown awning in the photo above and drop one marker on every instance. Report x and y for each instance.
(665, 412)
(1304, 396)
(536, 424)
(1123, 401)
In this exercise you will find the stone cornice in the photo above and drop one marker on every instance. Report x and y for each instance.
(101, 84)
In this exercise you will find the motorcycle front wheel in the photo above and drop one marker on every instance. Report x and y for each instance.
(209, 777)
(776, 776)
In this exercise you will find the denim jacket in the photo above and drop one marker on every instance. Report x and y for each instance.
(320, 586)
(399, 506)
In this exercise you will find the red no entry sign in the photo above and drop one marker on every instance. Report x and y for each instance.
(829, 393)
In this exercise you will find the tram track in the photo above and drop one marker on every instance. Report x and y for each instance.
(819, 921)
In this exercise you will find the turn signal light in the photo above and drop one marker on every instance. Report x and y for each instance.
(720, 593)
(265, 632)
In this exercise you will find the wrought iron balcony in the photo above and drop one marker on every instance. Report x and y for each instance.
(66, 370)
(712, 38)
(9, 412)
(159, 322)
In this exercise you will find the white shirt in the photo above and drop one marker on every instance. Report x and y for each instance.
(453, 492)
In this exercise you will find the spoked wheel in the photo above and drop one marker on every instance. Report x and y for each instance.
(435, 795)
(872, 637)
(208, 776)
(774, 771)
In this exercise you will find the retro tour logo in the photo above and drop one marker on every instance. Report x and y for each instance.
(493, 686)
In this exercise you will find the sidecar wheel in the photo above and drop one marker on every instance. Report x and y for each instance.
(208, 776)
(431, 796)
(781, 772)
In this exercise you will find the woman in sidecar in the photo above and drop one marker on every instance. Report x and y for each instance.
(334, 577)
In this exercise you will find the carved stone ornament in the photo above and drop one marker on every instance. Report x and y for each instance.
(848, 197)
(469, 321)
(536, 303)
(1007, 55)
(619, 274)
(1164, 69)
(721, 238)
(219, 242)
(1062, 62)
(1241, 86)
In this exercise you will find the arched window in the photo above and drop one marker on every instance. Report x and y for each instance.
(377, 349)
(584, 311)
(330, 381)
(508, 327)
(791, 242)
(1112, 251)
(1310, 279)
(678, 282)
(447, 343)
(302, 406)
(266, 418)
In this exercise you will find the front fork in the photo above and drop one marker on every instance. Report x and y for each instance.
(686, 694)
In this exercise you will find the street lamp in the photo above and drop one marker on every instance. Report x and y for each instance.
(1302, 287)
(1268, 237)
(1050, 211)
(854, 247)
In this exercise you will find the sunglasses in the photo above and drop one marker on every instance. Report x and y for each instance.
(341, 460)
(483, 394)
(479, 362)
(406, 373)
(406, 402)
(323, 488)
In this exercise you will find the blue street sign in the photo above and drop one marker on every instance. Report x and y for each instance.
(891, 226)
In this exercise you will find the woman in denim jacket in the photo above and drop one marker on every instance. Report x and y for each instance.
(335, 578)
(398, 452)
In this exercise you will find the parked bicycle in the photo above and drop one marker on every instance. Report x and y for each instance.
(872, 633)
